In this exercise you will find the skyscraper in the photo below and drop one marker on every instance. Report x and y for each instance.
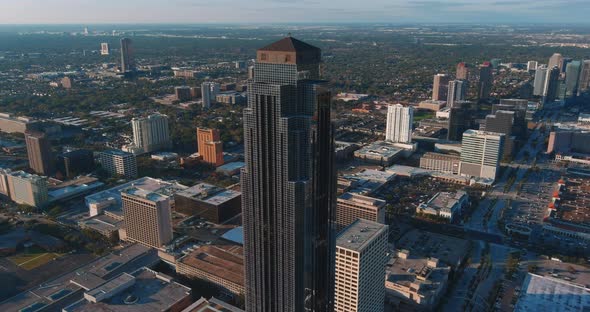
(462, 71)
(457, 92)
(104, 49)
(555, 60)
(209, 91)
(361, 255)
(440, 87)
(150, 134)
(481, 152)
(117, 162)
(551, 88)
(486, 80)
(288, 182)
(539, 84)
(572, 78)
(210, 146)
(584, 83)
(39, 152)
(399, 123)
(532, 66)
(127, 62)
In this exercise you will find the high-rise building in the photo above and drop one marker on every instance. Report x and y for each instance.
(519, 107)
(28, 189)
(486, 80)
(584, 83)
(73, 163)
(463, 71)
(572, 78)
(210, 146)
(457, 91)
(440, 87)
(104, 49)
(564, 63)
(551, 89)
(39, 152)
(502, 122)
(351, 206)
(361, 256)
(539, 84)
(481, 152)
(399, 123)
(150, 134)
(117, 162)
(532, 66)
(183, 93)
(288, 182)
(127, 61)
(460, 119)
(209, 91)
(555, 60)
(148, 217)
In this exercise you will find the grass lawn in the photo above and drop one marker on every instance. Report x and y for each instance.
(33, 257)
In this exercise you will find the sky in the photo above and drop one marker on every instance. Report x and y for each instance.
(293, 11)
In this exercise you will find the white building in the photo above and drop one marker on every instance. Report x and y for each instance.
(25, 188)
(539, 83)
(399, 124)
(457, 91)
(481, 152)
(445, 205)
(532, 65)
(149, 134)
(104, 49)
(209, 91)
(361, 255)
(117, 162)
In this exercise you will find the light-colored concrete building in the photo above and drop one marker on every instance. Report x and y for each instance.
(25, 188)
(117, 162)
(446, 163)
(446, 205)
(11, 124)
(481, 152)
(440, 87)
(150, 134)
(351, 206)
(148, 217)
(361, 255)
(209, 91)
(399, 123)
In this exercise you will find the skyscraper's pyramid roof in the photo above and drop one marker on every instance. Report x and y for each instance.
(289, 44)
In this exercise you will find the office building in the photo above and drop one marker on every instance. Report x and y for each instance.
(73, 163)
(550, 92)
(361, 255)
(25, 188)
(584, 83)
(532, 66)
(565, 141)
(209, 146)
(539, 83)
(440, 87)
(127, 61)
(486, 80)
(150, 134)
(221, 265)
(139, 291)
(120, 163)
(351, 206)
(104, 49)
(417, 280)
(381, 153)
(432, 105)
(289, 175)
(148, 217)
(445, 163)
(457, 92)
(481, 152)
(445, 205)
(520, 109)
(39, 152)
(211, 305)
(463, 71)
(460, 119)
(572, 78)
(209, 91)
(399, 123)
(183, 93)
(11, 124)
(209, 202)
(502, 122)
(556, 60)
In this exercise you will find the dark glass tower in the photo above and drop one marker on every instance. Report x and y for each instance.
(288, 183)
(127, 62)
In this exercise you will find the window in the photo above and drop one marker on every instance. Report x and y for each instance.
(263, 56)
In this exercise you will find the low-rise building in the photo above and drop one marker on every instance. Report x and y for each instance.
(379, 153)
(415, 279)
(447, 205)
(446, 163)
(211, 305)
(451, 251)
(222, 265)
(214, 204)
(11, 124)
(104, 224)
(432, 105)
(351, 207)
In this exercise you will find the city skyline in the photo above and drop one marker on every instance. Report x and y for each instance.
(305, 11)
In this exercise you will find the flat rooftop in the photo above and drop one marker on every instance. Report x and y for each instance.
(211, 305)
(151, 291)
(152, 196)
(574, 204)
(543, 293)
(371, 201)
(356, 236)
(117, 152)
(374, 175)
(102, 223)
(445, 199)
(415, 270)
(232, 166)
(209, 193)
(450, 250)
(379, 148)
(223, 261)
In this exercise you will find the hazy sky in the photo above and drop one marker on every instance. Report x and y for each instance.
(279, 11)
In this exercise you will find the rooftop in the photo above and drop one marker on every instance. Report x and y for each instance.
(424, 272)
(543, 293)
(289, 44)
(379, 148)
(356, 236)
(375, 202)
(102, 223)
(211, 305)
(117, 152)
(224, 261)
(445, 199)
(450, 250)
(209, 193)
(152, 196)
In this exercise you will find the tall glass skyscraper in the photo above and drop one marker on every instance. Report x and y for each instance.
(288, 183)
(127, 62)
